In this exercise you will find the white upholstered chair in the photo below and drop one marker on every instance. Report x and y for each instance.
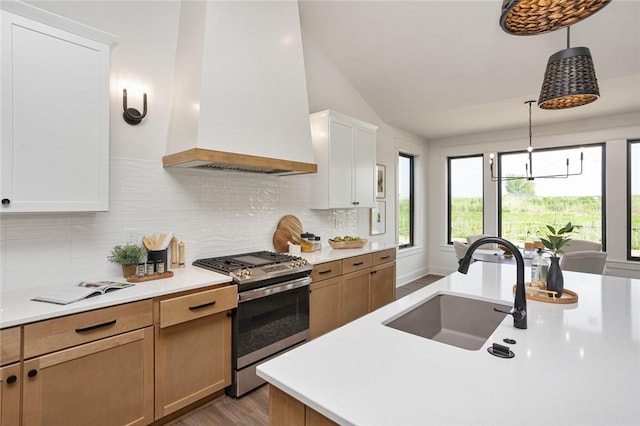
(460, 248)
(472, 238)
(590, 261)
(581, 245)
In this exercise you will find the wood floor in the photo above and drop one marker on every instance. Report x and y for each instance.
(253, 408)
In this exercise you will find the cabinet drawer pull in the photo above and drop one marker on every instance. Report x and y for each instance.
(204, 305)
(11, 379)
(328, 271)
(94, 327)
(32, 373)
(358, 264)
(385, 257)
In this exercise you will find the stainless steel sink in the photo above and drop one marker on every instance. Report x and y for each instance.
(455, 320)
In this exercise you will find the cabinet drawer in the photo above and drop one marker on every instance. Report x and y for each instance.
(356, 263)
(193, 306)
(55, 334)
(327, 270)
(384, 256)
(9, 345)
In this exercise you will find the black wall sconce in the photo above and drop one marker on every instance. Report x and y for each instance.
(132, 115)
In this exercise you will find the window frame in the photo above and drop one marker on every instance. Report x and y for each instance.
(412, 210)
(630, 143)
(460, 157)
(603, 173)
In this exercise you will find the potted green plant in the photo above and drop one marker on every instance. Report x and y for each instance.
(555, 241)
(127, 256)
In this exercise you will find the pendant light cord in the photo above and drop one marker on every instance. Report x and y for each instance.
(568, 37)
(530, 134)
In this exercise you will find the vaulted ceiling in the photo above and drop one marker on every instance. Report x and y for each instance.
(446, 68)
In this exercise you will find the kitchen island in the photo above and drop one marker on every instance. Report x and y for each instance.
(576, 364)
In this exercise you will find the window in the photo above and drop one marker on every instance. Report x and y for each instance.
(633, 202)
(406, 202)
(465, 197)
(530, 205)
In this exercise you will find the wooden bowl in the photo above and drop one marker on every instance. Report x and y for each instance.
(507, 252)
(347, 244)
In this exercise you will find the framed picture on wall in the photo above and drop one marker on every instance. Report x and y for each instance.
(381, 181)
(378, 218)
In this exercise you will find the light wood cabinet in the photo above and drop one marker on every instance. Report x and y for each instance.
(324, 307)
(192, 347)
(112, 366)
(92, 368)
(10, 390)
(55, 114)
(64, 332)
(382, 287)
(324, 298)
(345, 151)
(285, 410)
(10, 380)
(344, 290)
(9, 345)
(355, 295)
(105, 382)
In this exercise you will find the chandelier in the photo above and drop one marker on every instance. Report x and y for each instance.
(529, 165)
(529, 17)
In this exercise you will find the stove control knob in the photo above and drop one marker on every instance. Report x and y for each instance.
(247, 272)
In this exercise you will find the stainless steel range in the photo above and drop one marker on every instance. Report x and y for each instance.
(273, 309)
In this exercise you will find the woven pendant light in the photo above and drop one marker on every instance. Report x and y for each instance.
(569, 80)
(528, 17)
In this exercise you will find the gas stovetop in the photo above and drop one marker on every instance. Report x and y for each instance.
(257, 266)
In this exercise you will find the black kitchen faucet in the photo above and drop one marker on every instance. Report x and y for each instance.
(519, 311)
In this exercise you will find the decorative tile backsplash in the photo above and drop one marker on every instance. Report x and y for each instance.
(213, 212)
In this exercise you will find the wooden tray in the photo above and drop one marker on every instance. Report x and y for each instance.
(540, 295)
(134, 279)
(347, 244)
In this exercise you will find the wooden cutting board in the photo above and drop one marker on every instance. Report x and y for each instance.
(280, 239)
(289, 229)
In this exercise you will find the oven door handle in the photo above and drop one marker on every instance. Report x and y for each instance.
(274, 289)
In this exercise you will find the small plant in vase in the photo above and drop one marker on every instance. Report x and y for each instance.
(555, 241)
(128, 257)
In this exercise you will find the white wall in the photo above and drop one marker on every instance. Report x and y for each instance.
(213, 212)
(329, 89)
(613, 130)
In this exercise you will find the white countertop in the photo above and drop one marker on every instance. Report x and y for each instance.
(576, 364)
(328, 254)
(17, 308)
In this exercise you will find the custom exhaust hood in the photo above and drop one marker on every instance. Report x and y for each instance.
(240, 95)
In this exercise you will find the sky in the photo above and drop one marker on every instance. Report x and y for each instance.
(403, 177)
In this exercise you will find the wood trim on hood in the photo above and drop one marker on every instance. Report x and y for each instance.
(211, 159)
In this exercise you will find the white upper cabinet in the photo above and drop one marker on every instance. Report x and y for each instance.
(55, 113)
(344, 150)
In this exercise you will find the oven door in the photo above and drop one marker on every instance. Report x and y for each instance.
(269, 320)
